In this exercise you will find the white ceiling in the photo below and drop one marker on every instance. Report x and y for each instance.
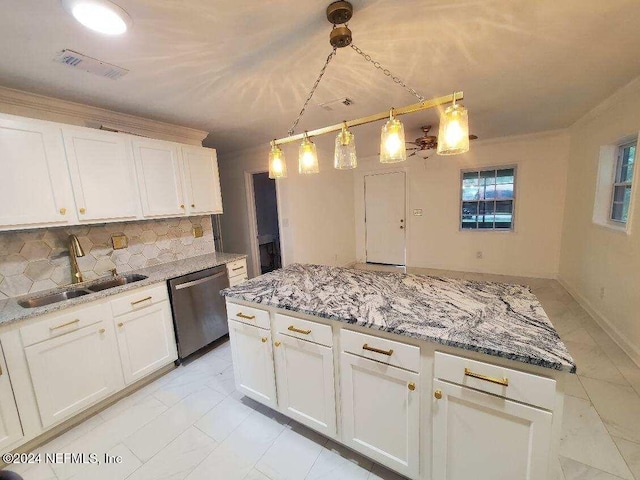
(242, 69)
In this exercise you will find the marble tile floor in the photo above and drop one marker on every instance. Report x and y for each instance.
(192, 424)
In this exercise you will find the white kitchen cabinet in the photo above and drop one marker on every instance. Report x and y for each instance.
(159, 177)
(102, 175)
(305, 381)
(201, 180)
(10, 427)
(145, 340)
(253, 367)
(381, 412)
(34, 186)
(73, 371)
(486, 437)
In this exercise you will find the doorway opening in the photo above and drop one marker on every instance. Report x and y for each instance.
(265, 233)
(385, 218)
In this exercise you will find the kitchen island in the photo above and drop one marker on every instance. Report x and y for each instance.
(433, 377)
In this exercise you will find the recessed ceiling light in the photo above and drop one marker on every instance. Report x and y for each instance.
(99, 15)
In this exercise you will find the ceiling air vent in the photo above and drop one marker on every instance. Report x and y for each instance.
(337, 104)
(91, 65)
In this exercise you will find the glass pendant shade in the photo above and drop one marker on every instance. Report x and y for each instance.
(345, 153)
(453, 135)
(392, 146)
(277, 164)
(307, 157)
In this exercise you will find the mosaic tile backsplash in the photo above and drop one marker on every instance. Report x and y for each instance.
(36, 260)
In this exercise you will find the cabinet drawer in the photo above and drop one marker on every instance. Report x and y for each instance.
(304, 329)
(57, 325)
(237, 280)
(139, 299)
(508, 383)
(380, 349)
(249, 315)
(239, 267)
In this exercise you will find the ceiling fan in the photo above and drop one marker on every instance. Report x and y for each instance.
(427, 142)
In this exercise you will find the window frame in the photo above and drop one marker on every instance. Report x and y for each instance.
(512, 229)
(620, 148)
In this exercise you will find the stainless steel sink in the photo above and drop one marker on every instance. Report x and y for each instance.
(116, 282)
(53, 298)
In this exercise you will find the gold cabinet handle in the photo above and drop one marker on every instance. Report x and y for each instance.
(264, 339)
(504, 381)
(83, 211)
(62, 325)
(297, 330)
(63, 211)
(411, 386)
(242, 315)
(437, 394)
(277, 344)
(121, 324)
(141, 300)
(102, 330)
(377, 350)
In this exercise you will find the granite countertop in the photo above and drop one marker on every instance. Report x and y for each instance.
(11, 311)
(497, 319)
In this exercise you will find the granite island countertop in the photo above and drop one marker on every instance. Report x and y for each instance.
(497, 319)
(11, 311)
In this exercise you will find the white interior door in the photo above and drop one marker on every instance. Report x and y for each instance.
(385, 218)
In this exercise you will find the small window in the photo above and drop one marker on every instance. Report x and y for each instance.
(622, 183)
(488, 199)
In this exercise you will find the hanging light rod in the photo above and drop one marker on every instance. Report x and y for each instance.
(416, 107)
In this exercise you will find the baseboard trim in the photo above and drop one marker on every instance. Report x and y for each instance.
(610, 329)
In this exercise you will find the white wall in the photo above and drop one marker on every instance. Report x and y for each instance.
(316, 211)
(595, 257)
(434, 239)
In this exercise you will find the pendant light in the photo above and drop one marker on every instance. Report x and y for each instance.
(345, 153)
(277, 164)
(453, 135)
(392, 146)
(307, 157)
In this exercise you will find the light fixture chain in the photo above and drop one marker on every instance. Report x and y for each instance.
(388, 73)
(313, 90)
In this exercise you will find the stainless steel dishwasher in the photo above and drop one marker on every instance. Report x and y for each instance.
(199, 312)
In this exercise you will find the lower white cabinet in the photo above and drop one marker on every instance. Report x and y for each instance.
(252, 353)
(73, 371)
(10, 427)
(305, 381)
(381, 412)
(145, 340)
(485, 437)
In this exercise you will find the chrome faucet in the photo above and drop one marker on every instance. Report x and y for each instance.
(75, 251)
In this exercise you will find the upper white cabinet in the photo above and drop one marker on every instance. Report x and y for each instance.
(159, 177)
(10, 427)
(102, 174)
(202, 180)
(34, 185)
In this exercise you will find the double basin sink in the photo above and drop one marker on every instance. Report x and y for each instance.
(99, 286)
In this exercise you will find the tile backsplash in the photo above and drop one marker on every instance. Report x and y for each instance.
(36, 260)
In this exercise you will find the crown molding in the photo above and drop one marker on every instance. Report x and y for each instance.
(18, 102)
(616, 98)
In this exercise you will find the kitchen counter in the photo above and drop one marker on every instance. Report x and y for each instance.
(497, 319)
(11, 311)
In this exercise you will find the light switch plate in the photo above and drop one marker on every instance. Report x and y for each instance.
(197, 231)
(119, 242)
(417, 212)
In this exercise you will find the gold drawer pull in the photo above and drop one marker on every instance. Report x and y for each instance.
(140, 301)
(242, 315)
(297, 330)
(377, 350)
(62, 325)
(237, 268)
(499, 381)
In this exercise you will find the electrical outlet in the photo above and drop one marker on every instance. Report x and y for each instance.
(479, 255)
(119, 242)
(601, 293)
(197, 231)
(417, 212)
